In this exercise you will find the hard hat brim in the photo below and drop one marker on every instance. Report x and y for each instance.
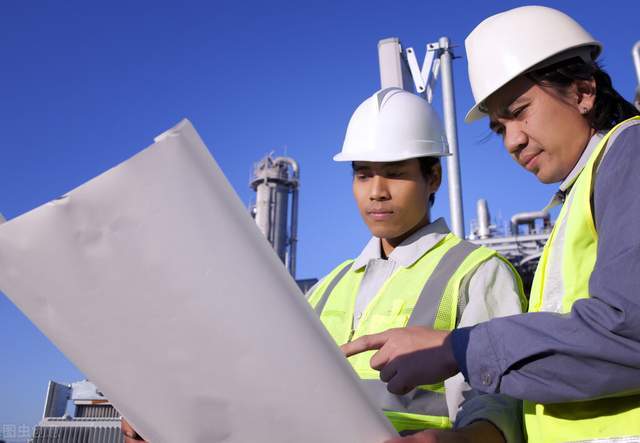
(342, 157)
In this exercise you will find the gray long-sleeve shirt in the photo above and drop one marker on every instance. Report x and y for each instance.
(594, 350)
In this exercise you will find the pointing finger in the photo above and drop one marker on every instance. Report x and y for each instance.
(364, 343)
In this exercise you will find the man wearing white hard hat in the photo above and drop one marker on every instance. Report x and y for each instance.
(413, 271)
(574, 359)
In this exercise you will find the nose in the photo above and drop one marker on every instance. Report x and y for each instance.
(379, 190)
(515, 138)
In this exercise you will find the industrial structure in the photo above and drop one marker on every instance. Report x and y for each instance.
(520, 241)
(275, 182)
(92, 418)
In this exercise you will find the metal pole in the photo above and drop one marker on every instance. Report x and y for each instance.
(293, 183)
(293, 241)
(453, 161)
(636, 58)
(482, 208)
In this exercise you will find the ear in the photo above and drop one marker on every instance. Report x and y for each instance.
(435, 178)
(585, 91)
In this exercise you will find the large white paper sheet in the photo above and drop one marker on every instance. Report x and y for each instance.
(155, 282)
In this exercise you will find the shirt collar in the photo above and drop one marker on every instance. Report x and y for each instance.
(566, 184)
(584, 158)
(410, 250)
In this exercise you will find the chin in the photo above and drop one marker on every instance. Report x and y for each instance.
(382, 232)
(547, 178)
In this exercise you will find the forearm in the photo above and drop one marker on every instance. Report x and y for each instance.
(503, 412)
(548, 358)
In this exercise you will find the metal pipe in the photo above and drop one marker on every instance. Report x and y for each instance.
(295, 168)
(482, 209)
(280, 219)
(263, 209)
(293, 241)
(453, 161)
(528, 218)
(635, 52)
(394, 71)
(294, 183)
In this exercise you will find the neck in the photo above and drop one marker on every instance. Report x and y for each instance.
(389, 244)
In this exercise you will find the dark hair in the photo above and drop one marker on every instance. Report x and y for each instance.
(426, 167)
(610, 108)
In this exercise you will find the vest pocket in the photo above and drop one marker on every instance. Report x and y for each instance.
(335, 321)
(395, 316)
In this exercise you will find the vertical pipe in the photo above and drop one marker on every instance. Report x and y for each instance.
(482, 208)
(394, 70)
(453, 161)
(263, 208)
(280, 219)
(636, 59)
(293, 241)
(292, 183)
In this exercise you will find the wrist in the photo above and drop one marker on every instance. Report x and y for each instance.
(450, 360)
(482, 431)
(459, 344)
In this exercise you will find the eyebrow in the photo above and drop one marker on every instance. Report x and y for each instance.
(505, 112)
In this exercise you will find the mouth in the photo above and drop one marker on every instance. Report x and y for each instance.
(529, 161)
(380, 214)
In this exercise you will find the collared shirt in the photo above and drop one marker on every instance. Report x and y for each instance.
(566, 184)
(491, 291)
(379, 270)
(594, 350)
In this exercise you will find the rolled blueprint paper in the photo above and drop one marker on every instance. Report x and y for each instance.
(155, 282)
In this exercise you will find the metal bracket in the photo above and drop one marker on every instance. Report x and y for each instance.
(425, 79)
(418, 79)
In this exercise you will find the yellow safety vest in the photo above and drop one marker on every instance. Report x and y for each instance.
(568, 260)
(425, 293)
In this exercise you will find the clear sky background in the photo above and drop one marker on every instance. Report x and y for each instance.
(85, 85)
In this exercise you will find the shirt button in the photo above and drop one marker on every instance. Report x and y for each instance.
(486, 379)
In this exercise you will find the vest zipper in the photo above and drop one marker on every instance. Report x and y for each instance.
(351, 334)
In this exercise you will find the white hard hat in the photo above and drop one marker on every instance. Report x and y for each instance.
(511, 43)
(393, 125)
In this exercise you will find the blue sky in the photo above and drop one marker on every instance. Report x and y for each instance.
(86, 85)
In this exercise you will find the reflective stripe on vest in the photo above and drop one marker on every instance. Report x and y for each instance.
(562, 277)
(425, 293)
